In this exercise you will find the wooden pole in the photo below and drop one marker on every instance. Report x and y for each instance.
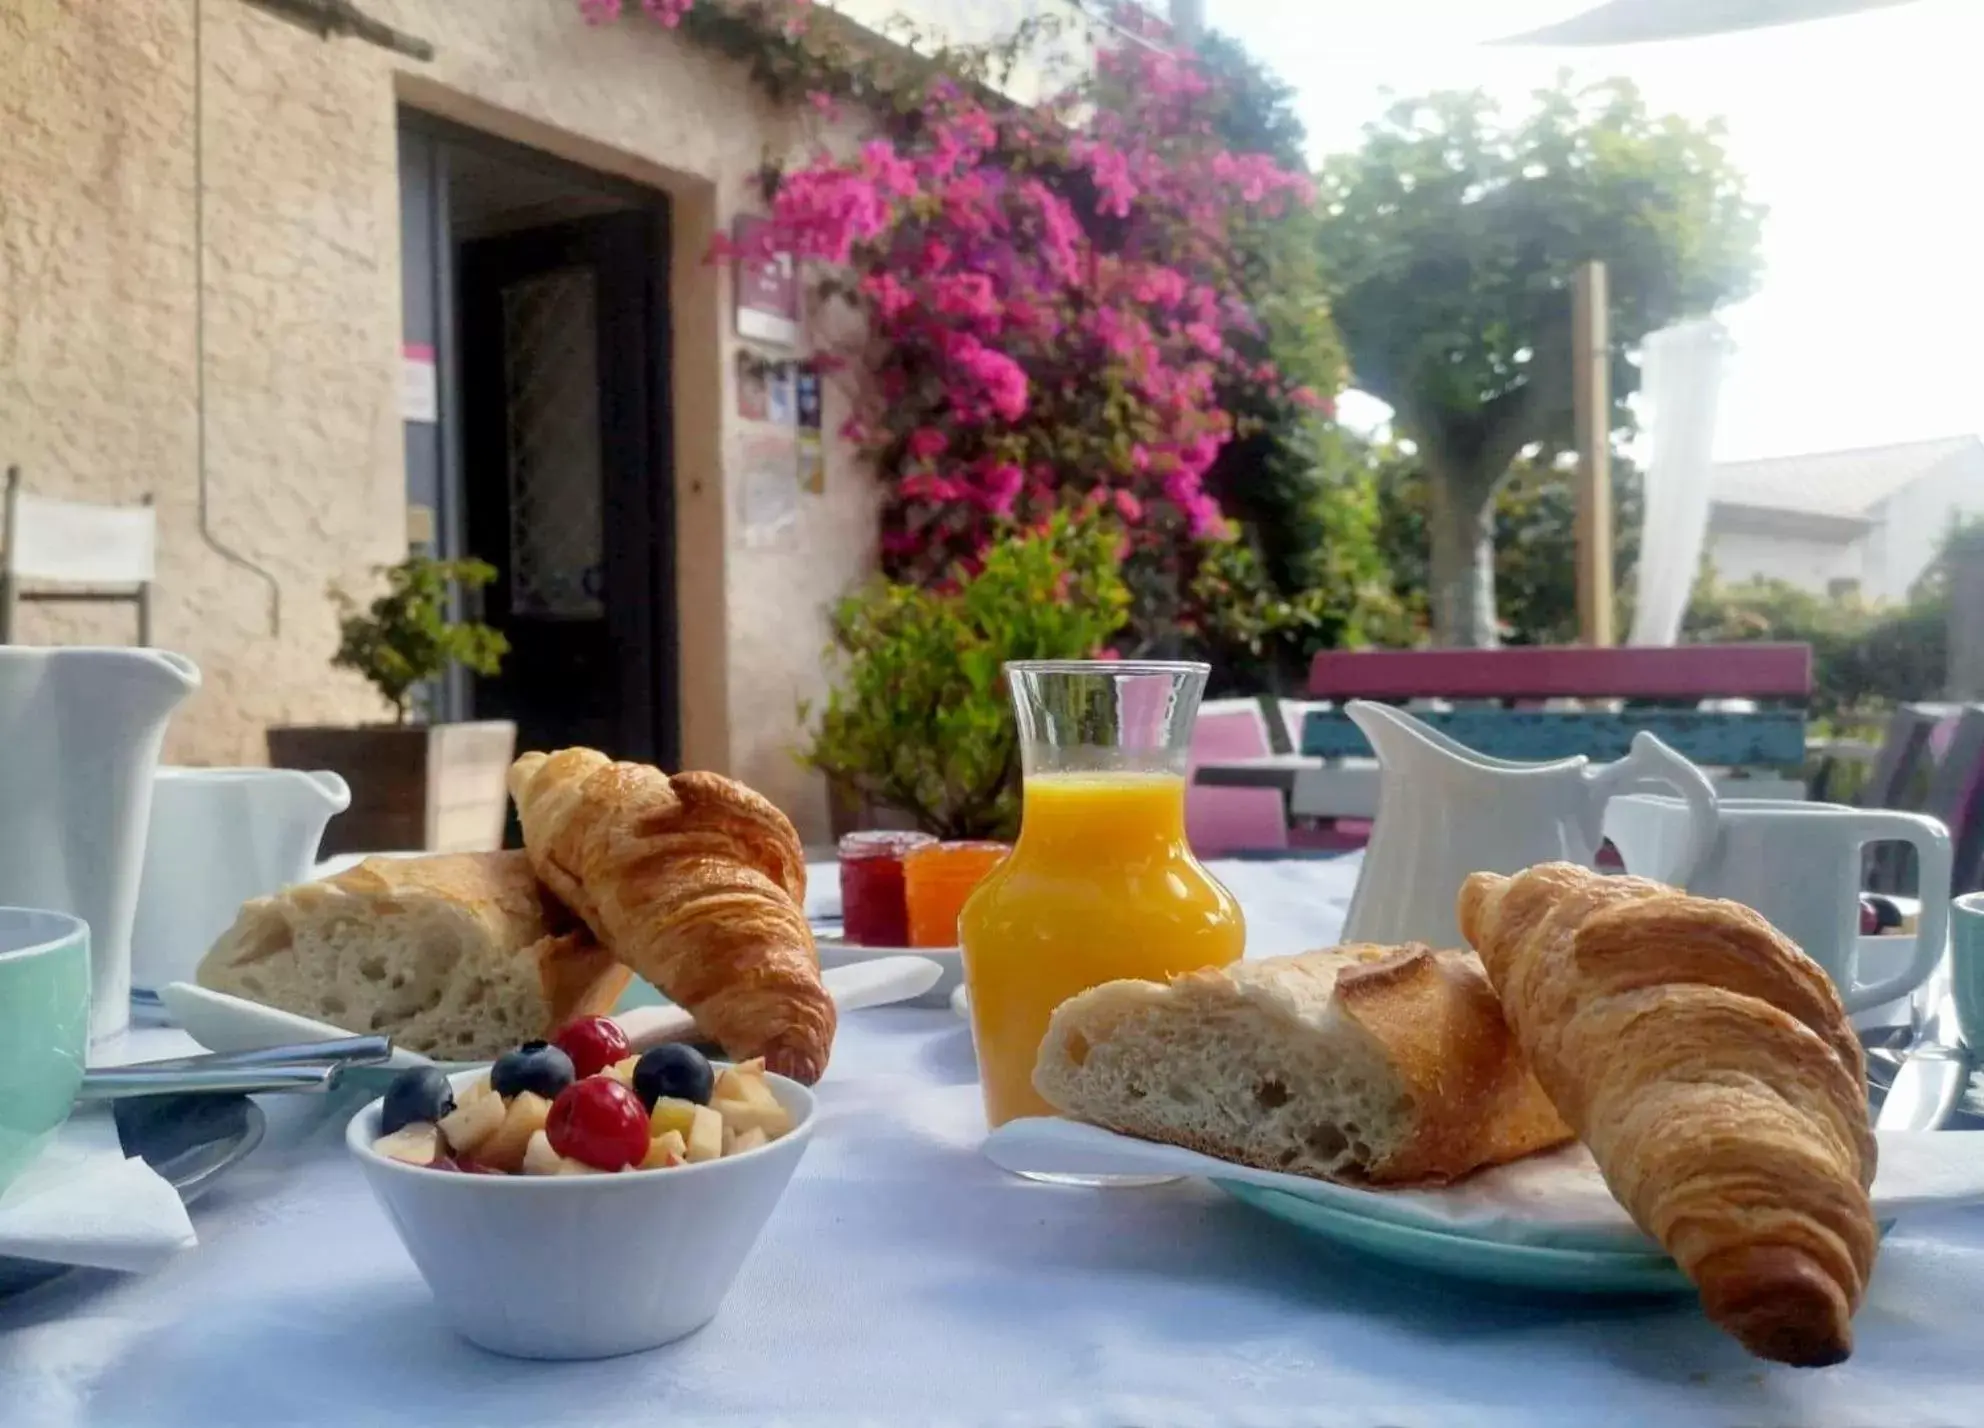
(1591, 400)
(1966, 653)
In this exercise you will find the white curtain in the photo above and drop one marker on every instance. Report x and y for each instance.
(1680, 378)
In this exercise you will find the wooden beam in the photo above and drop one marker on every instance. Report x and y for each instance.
(1591, 399)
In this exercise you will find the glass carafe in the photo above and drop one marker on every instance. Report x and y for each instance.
(1102, 884)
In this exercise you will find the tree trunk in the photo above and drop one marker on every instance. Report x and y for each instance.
(1461, 516)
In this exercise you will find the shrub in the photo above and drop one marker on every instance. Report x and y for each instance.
(920, 720)
(404, 638)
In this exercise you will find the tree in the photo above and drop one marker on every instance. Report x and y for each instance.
(1534, 541)
(1450, 239)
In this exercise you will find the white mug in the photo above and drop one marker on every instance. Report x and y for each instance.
(1799, 865)
(218, 838)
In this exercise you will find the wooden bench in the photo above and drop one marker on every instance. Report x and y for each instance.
(1497, 700)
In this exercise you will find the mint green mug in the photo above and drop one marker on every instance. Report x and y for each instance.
(44, 1029)
(1967, 967)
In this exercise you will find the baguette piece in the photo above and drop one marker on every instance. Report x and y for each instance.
(1363, 1064)
(1708, 1064)
(459, 956)
(696, 882)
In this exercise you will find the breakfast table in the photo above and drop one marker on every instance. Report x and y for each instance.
(906, 1280)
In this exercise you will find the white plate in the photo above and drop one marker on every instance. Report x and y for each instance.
(221, 1022)
(1554, 1200)
(834, 953)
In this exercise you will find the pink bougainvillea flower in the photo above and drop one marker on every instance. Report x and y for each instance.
(1040, 291)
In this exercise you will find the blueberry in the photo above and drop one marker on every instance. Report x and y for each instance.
(421, 1093)
(535, 1066)
(680, 1073)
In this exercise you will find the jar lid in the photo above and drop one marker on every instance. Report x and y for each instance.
(882, 843)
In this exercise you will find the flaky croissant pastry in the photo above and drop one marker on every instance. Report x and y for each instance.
(695, 882)
(1709, 1067)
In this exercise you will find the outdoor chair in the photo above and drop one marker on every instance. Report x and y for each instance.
(90, 554)
(1222, 821)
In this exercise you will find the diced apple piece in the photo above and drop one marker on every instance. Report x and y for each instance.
(623, 1070)
(705, 1136)
(569, 1166)
(750, 1086)
(671, 1114)
(416, 1144)
(748, 1140)
(665, 1150)
(504, 1150)
(477, 1090)
(472, 1122)
(539, 1157)
(729, 1079)
(774, 1120)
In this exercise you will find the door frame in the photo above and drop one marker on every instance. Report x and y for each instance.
(653, 520)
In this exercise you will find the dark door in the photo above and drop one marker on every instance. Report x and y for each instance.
(565, 480)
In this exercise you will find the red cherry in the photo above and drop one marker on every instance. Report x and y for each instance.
(600, 1122)
(593, 1042)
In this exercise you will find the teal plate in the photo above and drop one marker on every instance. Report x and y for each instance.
(1565, 1271)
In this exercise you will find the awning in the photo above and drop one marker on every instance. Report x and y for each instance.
(1631, 22)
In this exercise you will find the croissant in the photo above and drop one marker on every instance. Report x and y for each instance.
(1709, 1067)
(695, 882)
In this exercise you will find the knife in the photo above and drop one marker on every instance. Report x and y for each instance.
(1933, 1072)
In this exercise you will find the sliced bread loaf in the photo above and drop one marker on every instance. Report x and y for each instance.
(1377, 1065)
(457, 956)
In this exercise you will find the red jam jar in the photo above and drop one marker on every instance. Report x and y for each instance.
(874, 909)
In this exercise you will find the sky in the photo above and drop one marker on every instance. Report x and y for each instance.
(1864, 135)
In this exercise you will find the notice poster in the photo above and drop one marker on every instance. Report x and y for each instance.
(768, 486)
(812, 464)
(767, 288)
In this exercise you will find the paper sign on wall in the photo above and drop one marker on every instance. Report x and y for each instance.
(768, 486)
(812, 464)
(767, 288)
(420, 389)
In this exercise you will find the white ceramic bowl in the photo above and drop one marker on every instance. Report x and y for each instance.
(583, 1266)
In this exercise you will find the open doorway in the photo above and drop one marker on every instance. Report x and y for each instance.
(545, 287)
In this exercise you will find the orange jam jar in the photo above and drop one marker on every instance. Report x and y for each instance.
(937, 880)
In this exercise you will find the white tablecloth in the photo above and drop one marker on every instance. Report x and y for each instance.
(904, 1280)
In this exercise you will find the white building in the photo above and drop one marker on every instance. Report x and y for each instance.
(1868, 519)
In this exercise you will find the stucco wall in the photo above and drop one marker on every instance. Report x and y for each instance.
(1806, 562)
(98, 387)
(98, 391)
(1911, 524)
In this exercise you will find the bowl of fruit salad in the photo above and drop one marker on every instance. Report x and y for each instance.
(577, 1201)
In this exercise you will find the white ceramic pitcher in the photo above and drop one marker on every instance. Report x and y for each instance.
(1445, 811)
(80, 731)
(218, 838)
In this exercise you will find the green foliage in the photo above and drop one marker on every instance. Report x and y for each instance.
(920, 720)
(1450, 240)
(1535, 543)
(1258, 637)
(1865, 658)
(404, 638)
(1287, 477)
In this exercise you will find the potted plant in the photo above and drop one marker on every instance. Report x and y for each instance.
(415, 785)
(919, 730)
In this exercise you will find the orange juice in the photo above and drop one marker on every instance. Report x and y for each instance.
(1101, 885)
